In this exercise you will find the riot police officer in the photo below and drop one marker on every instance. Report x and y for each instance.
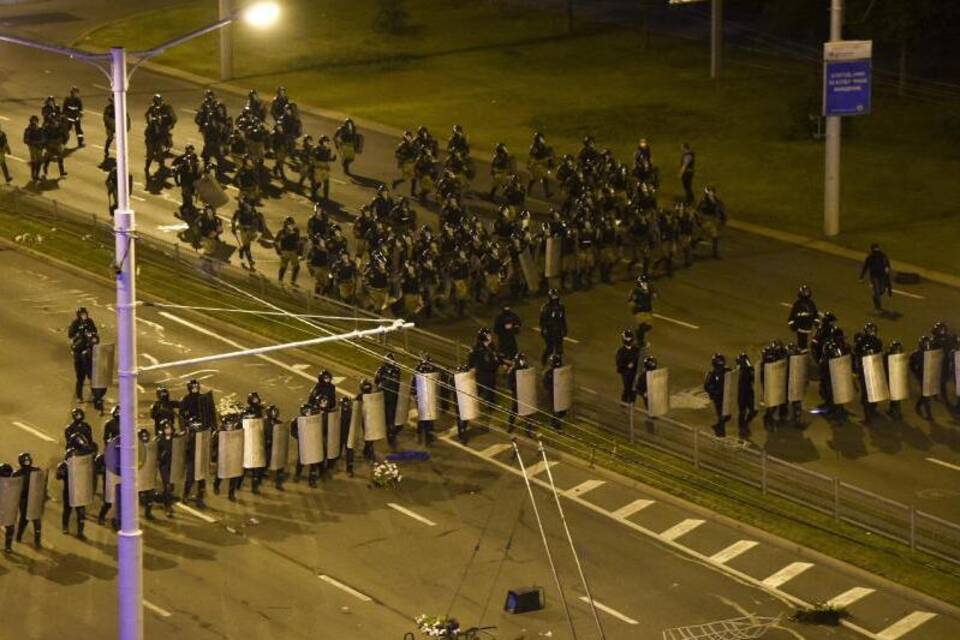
(73, 114)
(553, 325)
(556, 417)
(773, 352)
(877, 264)
(746, 409)
(255, 409)
(289, 246)
(917, 366)
(865, 343)
(163, 408)
(164, 463)
(387, 380)
(424, 423)
(270, 422)
(26, 468)
(313, 470)
(77, 445)
(77, 426)
(803, 315)
(484, 360)
(641, 305)
(4, 152)
(628, 363)
(893, 409)
(324, 388)
(834, 346)
(713, 384)
(506, 326)
(111, 430)
(944, 339)
(519, 363)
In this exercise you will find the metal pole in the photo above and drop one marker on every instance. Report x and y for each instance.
(546, 545)
(130, 539)
(831, 182)
(573, 549)
(716, 38)
(226, 41)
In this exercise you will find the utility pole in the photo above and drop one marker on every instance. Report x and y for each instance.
(716, 38)
(831, 178)
(226, 42)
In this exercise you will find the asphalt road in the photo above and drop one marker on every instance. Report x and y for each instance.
(729, 305)
(338, 561)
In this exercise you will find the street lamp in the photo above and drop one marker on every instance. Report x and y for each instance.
(258, 14)
(129, 547)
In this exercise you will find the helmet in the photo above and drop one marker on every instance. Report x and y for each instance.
(743, 359)
(627, 336)
(305, 409)
(193, 386)
(650, 363)
(870, 329)
(553, 294)
(157, 98)
(25, 459)
(325, 376)
(366, 386)
(896, 346)
(346, 403)
(925, 343)
(190, 149)
(641, 280)
(556, 360)
(143, 435)
(5, 470)
(165, 422)
(483, 335)
(718, 360)
(875, 248)
(289, 220)
(939, 329)
(273, 411)
(82, 311)
(804, 291)
(501, 148)
(829, 317)
(163, 393)
(115, 412)
(253, 398)
(77, 413)
(587, 141)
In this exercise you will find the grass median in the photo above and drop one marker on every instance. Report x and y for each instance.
(503, 71)
(163, 276)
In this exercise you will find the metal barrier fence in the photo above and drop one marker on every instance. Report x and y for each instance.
(624, 432)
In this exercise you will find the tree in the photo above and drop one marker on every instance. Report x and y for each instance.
(901, 23)
(392, 17)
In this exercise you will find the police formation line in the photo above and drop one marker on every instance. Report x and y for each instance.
(607, 213)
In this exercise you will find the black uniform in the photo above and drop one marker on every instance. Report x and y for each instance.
(865, 344)
(553, 328)
(506, 326)
(877, 264)
(387, 380)
(24, 471)
(73, 114)
(803, 314)
(484, 360)
(713, 384)
(628, 363)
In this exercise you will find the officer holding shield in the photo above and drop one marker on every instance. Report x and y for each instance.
(77, 446)
(324, 388)
(29, 496)
(164, 461)
(641, 306)
(387, 380)
(484, 360)
(553, 325)
(713, 384)
(866, 343)
(746, 409)
(423, 387)
(918, 366)
(556, 416)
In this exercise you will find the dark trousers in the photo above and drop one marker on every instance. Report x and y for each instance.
(188, 484)
(687, 180)
(3, 167)
(82, 373)
(720, 428)
(552, 344)
(629, 393)
(76, 125)
(879, 286)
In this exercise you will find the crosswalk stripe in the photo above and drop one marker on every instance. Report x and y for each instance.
(734, 550)
(681, 528)
(613, 612)
(628, 510)
(848, 597)
(583, 487)
(905, 625)
(786, 574)
(539, 467)
(495, 449)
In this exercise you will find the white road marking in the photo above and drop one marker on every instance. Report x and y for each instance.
(606, 609)
(944, 464)
(188, 110)
(909, 295)
(411, 514)
(33, 431)
(97, 146)
(675, 321)
(787, 305)
(628, 510)
(102, 88)
(17, 158)
(585, 486)
(905, 625)
(160, 611)
(495, 449)
(785, 575)
(568, 339)
(539, 467)
(338, 379)
(140, 388)
(4, 118)
(138, 198)
(734, 550)
(339, 585)
(681, 528)
(848, 597)
(196, 513)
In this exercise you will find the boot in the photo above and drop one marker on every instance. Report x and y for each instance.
(716, 248)
(80, 535)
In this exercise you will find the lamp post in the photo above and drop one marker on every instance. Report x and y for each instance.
(130, 547)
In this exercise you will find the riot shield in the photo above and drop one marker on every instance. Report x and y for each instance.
(101, 374)
(280, 446)
(230, 454)
(758, 386)
(898, 376)
(775, 383)
(932, 372)
(36, 494)
(731, 386)
(427, 396)
(526, 391)
(551, 267)
(956, 371)
(110, 484)
(310, 439)
(468, 406)
(355, 432)
(331, 429)
(796, 377)
(10, 500)
(178, 460)
(841, 379)
(201, 454)
(402, 413)
(210, 192)
(529, 269)
(146, 465)
(374, 419)
(875, 378)
(658, 392)
(80, 478)
(563, 388)
(254, 445)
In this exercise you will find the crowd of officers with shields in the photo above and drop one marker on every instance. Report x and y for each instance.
(607, 211)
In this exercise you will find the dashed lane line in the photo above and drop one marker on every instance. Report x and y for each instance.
(737, 548)
(675, 321)
(848, 597)
(196, 513)
(345, 588)
(787, 305)
(160, 611)
(944, 464)
(565, 338)
(33, 431)
(609, 610)
(785, 575)
(907, 294)
(628, 510)
(681, 528)
(905, 625)
(411, 514)
(584, 487)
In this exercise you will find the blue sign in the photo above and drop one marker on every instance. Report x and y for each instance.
(846, 87)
